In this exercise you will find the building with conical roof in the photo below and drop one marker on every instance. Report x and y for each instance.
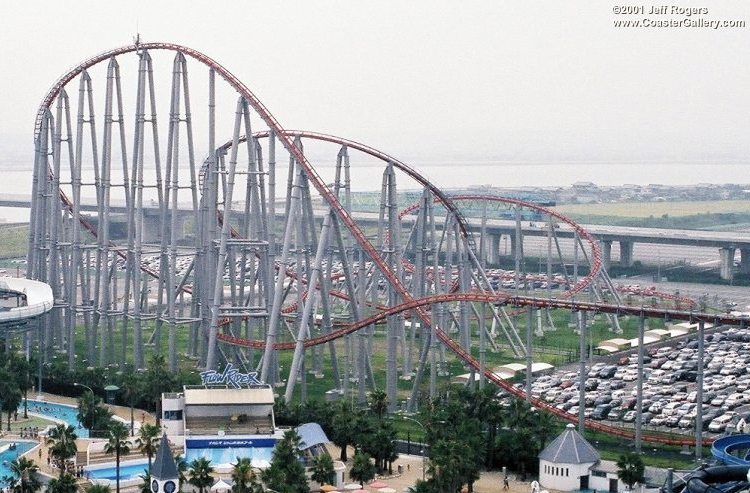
(565, 464)
(164, 475)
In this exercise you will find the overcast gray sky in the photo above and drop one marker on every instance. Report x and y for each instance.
(430, 80)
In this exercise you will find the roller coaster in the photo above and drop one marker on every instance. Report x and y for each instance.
(240, 265)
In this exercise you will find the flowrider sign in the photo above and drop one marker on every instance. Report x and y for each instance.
(230, 376)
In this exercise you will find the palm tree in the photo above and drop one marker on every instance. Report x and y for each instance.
(21, 368)
(11, 393)
(630, 469)
(146, 484)
(148, 440)
(343, 425)
(26, 470)
(62, 441)
(132, 389)
(322, 470)
(92, 414)
(378, 401)
(119, 445)
(244, 477)
(182, 468)
(66, 483)
(99, 488)
(158, 379)
(200, 473)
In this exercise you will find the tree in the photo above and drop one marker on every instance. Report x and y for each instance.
(21, 368)
(376, 438)
(132, 389)
(322, 470)
(118, 444)
(286, 474)
(148, 440)
(12, 398)
(456, 451)
(92, 414)
(422, 487)
(343, 427)
(378, 401)
(146, 484)
(630, 469)
(182, 468)
(200, 473)
(363, 470)
(66, 483)
(62, 442)
(158, 379)
(244, 477)
(99, 488)
(27, 472)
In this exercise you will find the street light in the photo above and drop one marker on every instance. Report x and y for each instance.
(76, 384)
(424, 439)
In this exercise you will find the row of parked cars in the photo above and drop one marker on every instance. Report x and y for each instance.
(670, 395)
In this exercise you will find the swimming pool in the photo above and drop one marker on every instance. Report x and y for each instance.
(128, 470)
(7, 456)
(57, 412)
(260, 456)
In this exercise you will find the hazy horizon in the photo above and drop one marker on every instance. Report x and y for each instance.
(471, 84)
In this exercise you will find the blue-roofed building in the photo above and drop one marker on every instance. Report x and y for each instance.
(313, 440)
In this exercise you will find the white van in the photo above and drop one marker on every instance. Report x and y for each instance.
(720, 424)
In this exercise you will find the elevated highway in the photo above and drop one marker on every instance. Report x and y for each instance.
(726, 243)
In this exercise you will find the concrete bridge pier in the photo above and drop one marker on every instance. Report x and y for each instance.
(513, 242)
(152, 227)
(492, 247)
(745, 260)
(606, 254)
(626, 253)
(726, 263)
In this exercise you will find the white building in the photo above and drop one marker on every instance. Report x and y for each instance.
(571, 463)
(565, 464)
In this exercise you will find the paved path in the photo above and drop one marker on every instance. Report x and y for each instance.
(489, 482)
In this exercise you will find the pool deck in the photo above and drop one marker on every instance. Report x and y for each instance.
(40, 453)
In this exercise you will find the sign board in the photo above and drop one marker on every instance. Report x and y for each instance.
(230, 376)
(230, 443)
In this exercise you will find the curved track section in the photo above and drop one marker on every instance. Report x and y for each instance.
(213, 252)
(517, 301)
(38, 299)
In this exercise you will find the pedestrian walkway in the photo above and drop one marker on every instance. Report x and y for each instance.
(488, 482)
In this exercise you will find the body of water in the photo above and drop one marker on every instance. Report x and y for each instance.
(58, 412)
(8, 455)
(128, 470)
(260, 456)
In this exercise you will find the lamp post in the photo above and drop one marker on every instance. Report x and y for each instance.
(424, 439)
(76, 384)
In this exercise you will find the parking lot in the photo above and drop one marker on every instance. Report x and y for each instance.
(669, 385)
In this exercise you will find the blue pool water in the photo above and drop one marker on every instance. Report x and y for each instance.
(128, 470)
(61, 412)
(219, 456)
(10, 455)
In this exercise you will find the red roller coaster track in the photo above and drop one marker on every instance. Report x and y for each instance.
(410, 303)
